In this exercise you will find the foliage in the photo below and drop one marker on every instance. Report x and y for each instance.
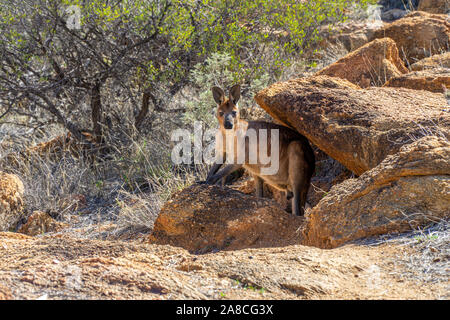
(216, 71)
(123, 49)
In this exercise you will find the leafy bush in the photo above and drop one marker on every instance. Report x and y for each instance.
(216, 71)
(82, 76)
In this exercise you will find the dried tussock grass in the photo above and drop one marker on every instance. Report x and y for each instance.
(101, 199)
(426, 257)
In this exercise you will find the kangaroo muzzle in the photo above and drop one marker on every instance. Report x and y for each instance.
(228, 122)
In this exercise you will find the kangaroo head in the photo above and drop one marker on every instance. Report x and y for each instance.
(227, 109)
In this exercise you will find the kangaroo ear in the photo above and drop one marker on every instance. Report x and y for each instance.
(218, 94)
(235, 93)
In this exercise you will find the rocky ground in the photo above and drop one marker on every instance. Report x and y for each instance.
(52, 267)
(379, 120)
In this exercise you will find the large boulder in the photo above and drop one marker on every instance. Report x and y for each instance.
(407, 190)
(434, 6)
(436, 61)
(371, 65)
(11, 200)
(431, 80)
(418, 35)
(203, 218)
(328, 173)
(357, 127)
(247, 185)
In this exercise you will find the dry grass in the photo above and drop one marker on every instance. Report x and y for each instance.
(104, 199)
(430, 261)
(426, 257)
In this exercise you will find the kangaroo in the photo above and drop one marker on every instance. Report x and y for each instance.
(296, 157)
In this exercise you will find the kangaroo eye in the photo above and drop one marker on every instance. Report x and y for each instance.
(234, 113)
(221, 113)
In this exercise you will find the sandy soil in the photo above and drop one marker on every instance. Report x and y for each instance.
(61, 267)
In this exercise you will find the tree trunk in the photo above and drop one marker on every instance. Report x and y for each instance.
(144, 110)
(96, 108)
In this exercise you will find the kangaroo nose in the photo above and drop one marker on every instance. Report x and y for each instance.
(228, 125)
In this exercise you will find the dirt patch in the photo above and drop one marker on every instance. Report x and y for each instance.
(52, 267)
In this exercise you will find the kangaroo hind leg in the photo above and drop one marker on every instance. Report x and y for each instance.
(298, 179)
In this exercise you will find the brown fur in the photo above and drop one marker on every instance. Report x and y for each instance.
(296, 157)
